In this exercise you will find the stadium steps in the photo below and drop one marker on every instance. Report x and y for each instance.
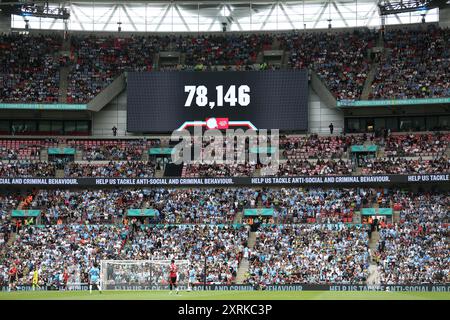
(396, 216)
(245, 264)
(251, 240)
(356, 217)
(43, 155)
(368, 83)
(63, 84)
(380, 40)
(156, 61)
(275, 44)
(242, 271)
(285, 60)
(374, 276)
(183, 172)
(59, 173)
(159, 173)
(21, 205)
(12, 238)
(78, 155)
(260, 57)
(66, 45)
(238, 217)
(374, 238)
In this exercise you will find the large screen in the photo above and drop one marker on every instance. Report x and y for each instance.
(167, 101)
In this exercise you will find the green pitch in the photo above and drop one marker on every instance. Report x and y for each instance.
(223, 295)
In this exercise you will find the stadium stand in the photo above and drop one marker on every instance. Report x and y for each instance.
(415, 250)
(112, 149)
(130, 169)
(417, 144)
(17, 149)
(416, 67)
(341, 59)
(29, 71)
(309, 254)
(320, 232)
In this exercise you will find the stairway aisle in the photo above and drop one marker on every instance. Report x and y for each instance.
(368, 83)
(374, 277)
(238, 217)
(63, 84)
(245, 264)
(64, 72)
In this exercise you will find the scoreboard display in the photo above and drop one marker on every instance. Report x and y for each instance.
(172, 100)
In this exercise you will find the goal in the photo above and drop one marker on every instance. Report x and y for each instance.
(141, 274)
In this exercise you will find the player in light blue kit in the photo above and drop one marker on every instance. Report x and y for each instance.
(192, 278)
(94, 278)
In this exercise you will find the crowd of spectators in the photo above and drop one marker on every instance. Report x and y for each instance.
(414, 67)
(404, 166)
(218, 170)
(98, 60)
(29, 68)
(417, 64)
(310, 168)
(100, 150)
(409, 145)
(200, 205)
(299, 205)
(27, 169)
(85, 206)
(172, 205)
(201, 67)
(314, 253)
(416, 250)
(221, 245)
(8, 202)
(58, 250)
(129, 169)
(340, 58)
(65, 253)
(27, 149)
(306, 244)
(232, 49)
(315, 146)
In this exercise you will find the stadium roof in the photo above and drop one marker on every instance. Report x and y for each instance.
(214, 16)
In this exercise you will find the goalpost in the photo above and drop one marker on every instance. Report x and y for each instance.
(141, 274)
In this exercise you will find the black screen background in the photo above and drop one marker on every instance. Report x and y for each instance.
(278, 99)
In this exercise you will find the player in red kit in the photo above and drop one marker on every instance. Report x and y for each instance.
(173, 276)
(12, 273)
(65, 278)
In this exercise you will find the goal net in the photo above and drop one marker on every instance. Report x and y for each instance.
(141, 274)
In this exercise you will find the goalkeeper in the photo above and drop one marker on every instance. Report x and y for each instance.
(35, 282)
